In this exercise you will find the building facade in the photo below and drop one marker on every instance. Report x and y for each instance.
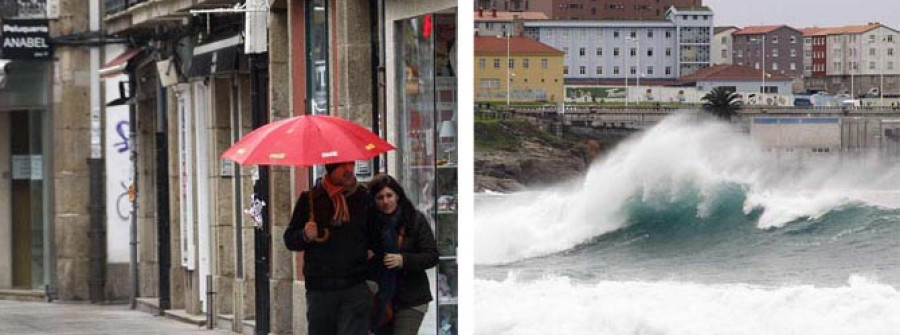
(496, 23)
(655, 50)
(862, 59)
(534, 70)
(778, 49)
(594, 9)
(723, 46)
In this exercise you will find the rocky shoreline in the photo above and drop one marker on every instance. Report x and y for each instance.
(512, 156)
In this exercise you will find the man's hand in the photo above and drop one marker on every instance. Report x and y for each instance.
(311, 231)
(392, 261)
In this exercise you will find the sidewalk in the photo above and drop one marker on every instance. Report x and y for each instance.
(32, 318)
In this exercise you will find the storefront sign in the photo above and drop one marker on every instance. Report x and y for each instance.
(27, 167)
(26, 39)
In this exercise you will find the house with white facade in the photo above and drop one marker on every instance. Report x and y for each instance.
(723, 45)
(625, 50)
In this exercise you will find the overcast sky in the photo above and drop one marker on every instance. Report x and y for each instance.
(805, 13)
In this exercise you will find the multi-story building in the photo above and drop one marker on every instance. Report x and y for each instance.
(860, 57)
(723, 46)
(600, 9)
(534, 70)
(777, 48)
(497, 23)
(504, 5)
(661, 50)
(813, 52)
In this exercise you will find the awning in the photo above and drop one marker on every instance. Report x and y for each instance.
(222, 56)
(118, 64)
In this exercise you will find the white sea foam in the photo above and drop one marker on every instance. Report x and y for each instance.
(557, 305)
(678, 155)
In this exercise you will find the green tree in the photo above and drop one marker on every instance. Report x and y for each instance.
(722, 103)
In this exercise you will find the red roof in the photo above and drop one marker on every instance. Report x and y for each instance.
(731, 72)
(849, 30)
(491, 45)
(812, 31)
(487, 16)
(757, 30)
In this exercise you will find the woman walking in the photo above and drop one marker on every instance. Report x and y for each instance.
(405, 248)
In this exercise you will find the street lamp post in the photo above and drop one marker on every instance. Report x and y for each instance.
(762, 91)
(508, 69)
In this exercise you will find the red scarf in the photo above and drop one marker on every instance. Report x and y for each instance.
(336, 193)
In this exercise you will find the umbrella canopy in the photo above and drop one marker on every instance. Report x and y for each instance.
(305, 141)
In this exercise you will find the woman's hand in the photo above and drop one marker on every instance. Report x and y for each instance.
(392, 261)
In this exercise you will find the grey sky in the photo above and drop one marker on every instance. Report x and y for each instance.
(805, 13)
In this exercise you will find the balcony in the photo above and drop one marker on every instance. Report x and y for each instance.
(126, 16)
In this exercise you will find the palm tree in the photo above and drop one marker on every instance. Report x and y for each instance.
(721, 102)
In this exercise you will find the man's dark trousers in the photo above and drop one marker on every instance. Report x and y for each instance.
(338, 312)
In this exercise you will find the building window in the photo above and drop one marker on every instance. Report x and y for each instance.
(582, 70)
(793, 39)
(668, 52)
(565, 70)
(871, 51)
(632, 52)
(740, 53)
(774, 39)
(496, 63)
(724, 53)
(650, 52)
(890, 65)
(581, 52)
(543, 63)
(615, 70)
(615, 34)
(599, 51)
(566, 51)
(633, 70)
(668, 70)
(774, 66)
(769, 89)
(633, 34)
(489, 84)
(774, 52)
(649, 70)
(668, 34)
(871, 65)
(649, 33)
(871, 38)
(525, 63)
(756, 65)
(512, 63)
(793, 52)
(890, 51)
(318, 58)
(793, 66)
(599, 70)
(481, 63)
(616, 52)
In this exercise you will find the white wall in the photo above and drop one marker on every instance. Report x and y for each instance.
(802, 134)
(5, 210)
(118, 168)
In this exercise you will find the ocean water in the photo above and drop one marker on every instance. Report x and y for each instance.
(691, 228)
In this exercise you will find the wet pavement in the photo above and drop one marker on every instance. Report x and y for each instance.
(32, 318)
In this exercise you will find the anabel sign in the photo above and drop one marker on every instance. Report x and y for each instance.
(26, 39)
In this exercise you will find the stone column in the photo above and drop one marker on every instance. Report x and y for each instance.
(70, 150)
(146, 124)
(352, 53)
(280, 200)
(176, 271)
(223, 225)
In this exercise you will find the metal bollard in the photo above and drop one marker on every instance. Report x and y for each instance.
(210, 296)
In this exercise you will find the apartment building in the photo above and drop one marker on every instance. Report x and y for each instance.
(777, 48)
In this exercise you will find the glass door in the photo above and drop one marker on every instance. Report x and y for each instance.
(27, 198)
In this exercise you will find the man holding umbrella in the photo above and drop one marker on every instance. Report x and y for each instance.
(329, 223)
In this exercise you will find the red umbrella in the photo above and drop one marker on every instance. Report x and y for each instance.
(307, 140)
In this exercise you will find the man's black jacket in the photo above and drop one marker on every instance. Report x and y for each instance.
(339, 262)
